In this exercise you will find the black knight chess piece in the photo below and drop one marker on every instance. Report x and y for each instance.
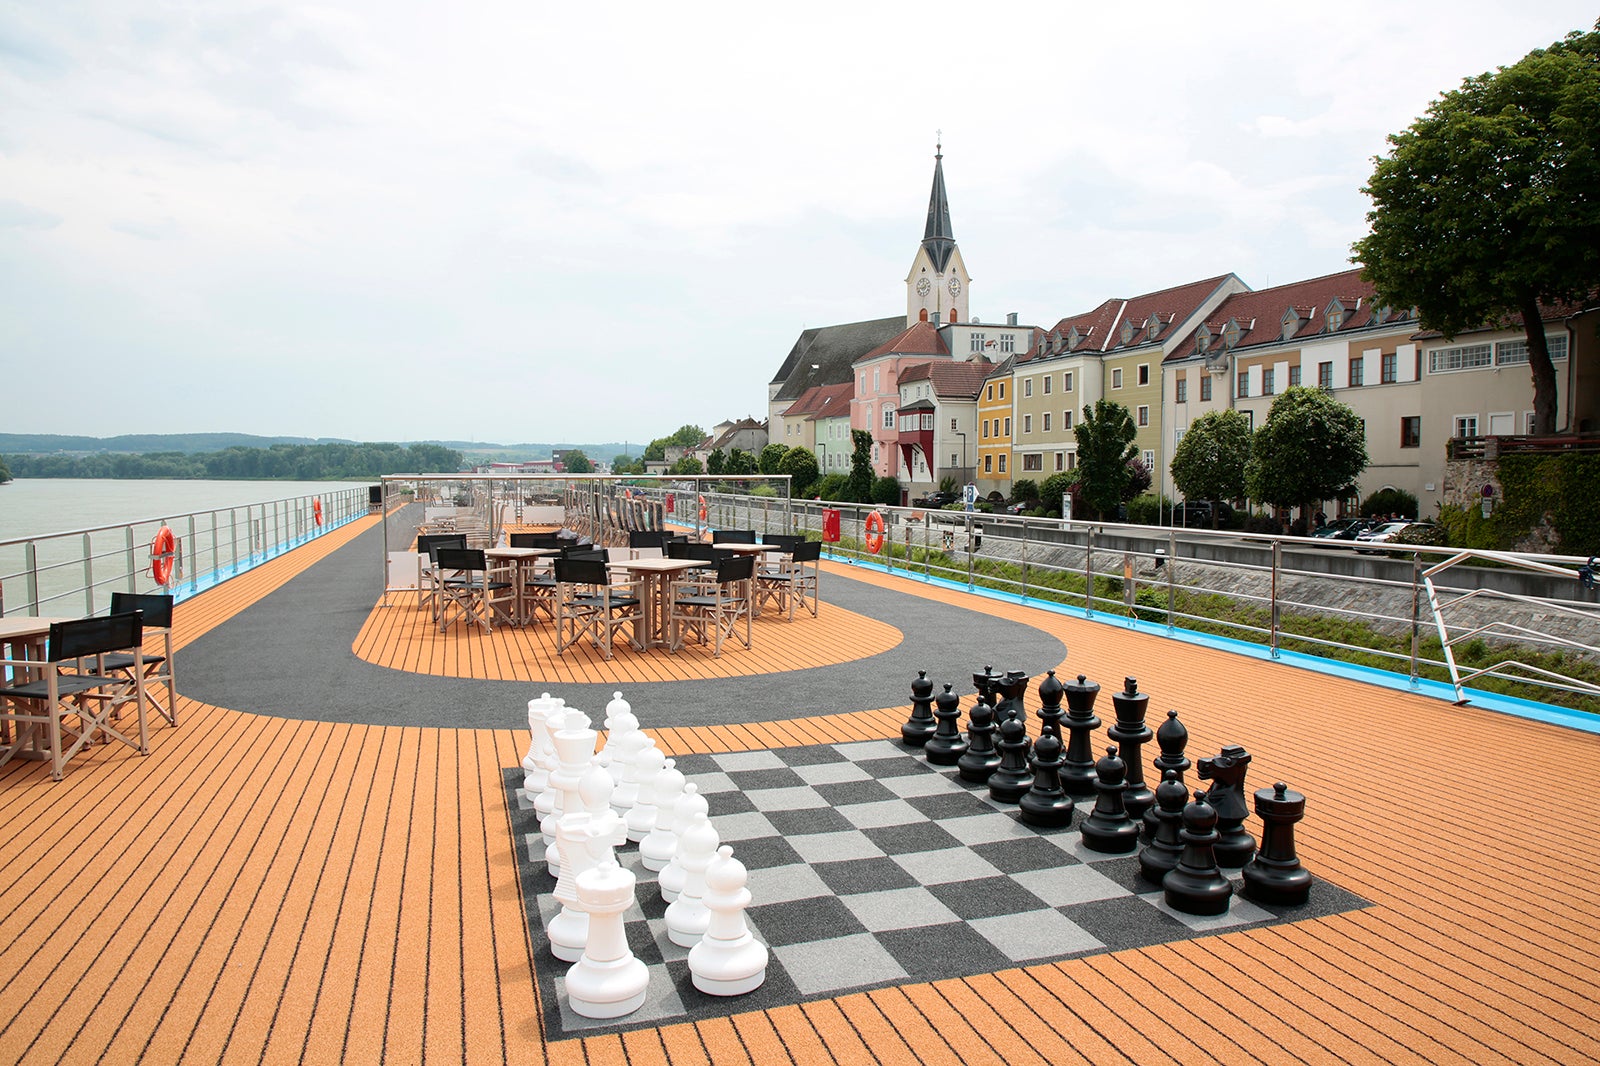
(1077, 770)
(1276, 875)
(1051, 693)
(947, 745)
(1172, 738)
(981, 758)
(1131, 734)
(1011, 688)
(1160, 854)
(1108, 829)
(1045, 804)
(1226, 772)
(1196, 885)
(1011, 781)
(919, 727)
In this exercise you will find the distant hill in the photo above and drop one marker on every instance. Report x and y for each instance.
(201, 443)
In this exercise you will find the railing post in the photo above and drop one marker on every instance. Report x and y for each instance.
(88, 575)
(30, 562)
(127, 547)
(1172, 586)
(1024, 553)
(1416, 613)
(1277, 562)
(970, 585)
(1088, 571)
(188, 561)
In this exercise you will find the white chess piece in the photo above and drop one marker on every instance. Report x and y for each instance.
(656, 849)
(537, 763)
(568, 931)
(727, 961)
(630, 746)
(606, 981)
(574, 744)
(642, 815)
(690, 805)
(687, 916)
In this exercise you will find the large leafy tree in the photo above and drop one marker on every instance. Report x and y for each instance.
(685, 436)
(859, 487)
(801, 466)
(716, 463)
(1490, 202)
(1105, 446)
(1209, 462)
(576, 462)
(5, 473)
(1311, 448)
(771, 457)
(740, 462)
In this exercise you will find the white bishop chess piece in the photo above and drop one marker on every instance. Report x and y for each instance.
(727, 961)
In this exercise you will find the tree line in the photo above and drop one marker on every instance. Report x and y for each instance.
(282, 462)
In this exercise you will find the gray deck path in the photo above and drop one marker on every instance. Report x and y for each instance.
(289, 655)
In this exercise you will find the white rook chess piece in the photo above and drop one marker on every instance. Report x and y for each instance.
(687, 916)
(607, 981)
(727, 961)
(656, 849)
(642, 815)
(689, 806)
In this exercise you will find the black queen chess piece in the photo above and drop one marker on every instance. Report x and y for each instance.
(1051, 693)
(1077, 769)
(1045, 804)
(946, 746)
(1172, 738)
(1108, 829)
(981, 758)
(1234, 846)
(1276, 875)
(1196, 885)
(1131, 734)
(919, 727)
(1160, 854)
(1011, 781)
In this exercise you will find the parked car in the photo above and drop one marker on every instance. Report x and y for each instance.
(936, 499)
(1344, 528)
(1196, 514)
(1383, 533)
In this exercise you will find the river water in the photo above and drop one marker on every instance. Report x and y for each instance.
(31, 507)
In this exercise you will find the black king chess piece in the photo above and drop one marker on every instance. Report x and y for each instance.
(1226, 771)
(947, 745)
(985, 684)
(1011, 781)
(1077, 770)
(1108, 829)
(919, 727)
(1051, 693)
(981, 758)
(1196, 885)
(1172, 738)
(1131, 735)
(1160, 854)
(1045, 804)
(1276, 875)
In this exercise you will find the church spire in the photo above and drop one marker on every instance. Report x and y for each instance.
(938, 238)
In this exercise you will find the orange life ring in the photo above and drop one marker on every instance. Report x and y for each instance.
(162, 551)
(316, 510)
(702, 508)
(875, 532)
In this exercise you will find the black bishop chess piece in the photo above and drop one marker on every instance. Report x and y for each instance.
(981, 758)
(1045, 804)
(1276, 875)
(1196, 884)
(1108, 829)
(1051, 693)
(1131, 734)
(1077, 770)
(1226, 773)
(1011, 781)
(947, 745)
(1172, 738)
(919, 727)
(1160, 854)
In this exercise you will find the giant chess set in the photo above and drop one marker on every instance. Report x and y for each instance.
(661, 890)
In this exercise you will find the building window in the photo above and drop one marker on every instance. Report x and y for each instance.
(1002, 390)
(877, 381)
(1325, 375)
(1059, 460)
(1294, 375)
(977, 342)
(1008, 342)
(1144, 373)
(1067, 385)
(1466, 357)
(1509, 353)
(1150, 460)
(1389, 369)
(1144, 414)
(1066, 419)
(1243, 380)
(1527, 423)
(1466, 425)
(1027, 423)
(1002, 462)
(1116, 378)
(988, 394)
(1411, 432)
(1047, 384)
(1269, 381)
(1027, 387)
(952, 426)
(983, 427)
(1032, 461)
(1205, 388)
(888, 416)
(1183, 390)
(1045, 426)
(1008, 426)
(988, 464)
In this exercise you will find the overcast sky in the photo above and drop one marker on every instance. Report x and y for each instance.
(525, 221)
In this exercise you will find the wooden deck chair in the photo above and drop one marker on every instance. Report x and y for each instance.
(589, 602)
(156, 608)
(792, 582)
(712, 606)
(470, 590)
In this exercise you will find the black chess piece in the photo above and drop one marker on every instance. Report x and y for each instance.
(1172, 738)
(1131, 734)
(981, 758)
(1077, 770)
(1108, 829)
(1196, 884)
(1051, 693)
(985, 684)
(1011, 781)
(947, 745)
(1226, 772)
(1045, 804)
(1160, 854)
(1011, 688)
(919, 727)
(1276, 875)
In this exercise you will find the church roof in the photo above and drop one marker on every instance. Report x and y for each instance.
(938, 238)
(919, 338)
(822, 355)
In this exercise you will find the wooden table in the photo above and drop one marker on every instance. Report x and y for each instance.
(521, 562)
(657, 577)
(22, 640)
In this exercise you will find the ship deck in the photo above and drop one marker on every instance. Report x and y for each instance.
(315, 865)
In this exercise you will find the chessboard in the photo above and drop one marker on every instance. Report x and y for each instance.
(871, 867)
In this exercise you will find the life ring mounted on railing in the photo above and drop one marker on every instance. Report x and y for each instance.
(702, 508)
(874, 537)
(316, 510)
(163, 550)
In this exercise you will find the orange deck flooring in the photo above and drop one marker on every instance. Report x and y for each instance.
(267, 890)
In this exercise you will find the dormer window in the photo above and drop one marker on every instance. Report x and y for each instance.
(1230, 334)
(1127, 331)
(1072, 338)
(1152, 327)
(1202, 340)
(1379, 314)
(1334, 317)
(1291, 322)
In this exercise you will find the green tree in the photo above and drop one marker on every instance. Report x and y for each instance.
(1311, 448)
(1056, 486)
(575, 462)
(623, 464)
(771, 458)
(1209, 462)
(686, 436)
(1105, 444)
(5, 471)
(1490, 202)
(801, 466)
(740, 463)
(886, 490)
(716, 463)
(859, 487)
(688, 464)
(1025, 490)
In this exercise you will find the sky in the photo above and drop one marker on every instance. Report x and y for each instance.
(566, 223)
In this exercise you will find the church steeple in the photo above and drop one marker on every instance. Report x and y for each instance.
(936, 287)
(938, 238)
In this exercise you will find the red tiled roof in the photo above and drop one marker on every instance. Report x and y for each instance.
(951, 381)
(1548, 312)
(1259, 313)
(823, 401)
(920, 338)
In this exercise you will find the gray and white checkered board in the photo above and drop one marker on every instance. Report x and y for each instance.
(871, 867)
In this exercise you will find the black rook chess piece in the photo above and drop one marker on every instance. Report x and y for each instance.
(1131, 735)
(1051, 693)
(1226, 796)
(981, 757)
(1077, 771)
(919, 727)
(1045, 804)
(1012, 780)
(1108, 828)
(1160, 854)
(1276, 875)
(1196, 885)
(947, 745)
(1172, 738)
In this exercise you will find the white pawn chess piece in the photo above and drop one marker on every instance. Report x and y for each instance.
(574, 745)
(727, 961)
(607, 981)
(614, 711)
(655, 850)
(690, 805)
(687, 916)
(642, 815)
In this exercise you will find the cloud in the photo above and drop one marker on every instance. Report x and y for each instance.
(14, 215)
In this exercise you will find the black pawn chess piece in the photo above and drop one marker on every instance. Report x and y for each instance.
(1108, 829)
(1077, 770)
(981, 758)
(919, 727)
(947, 745)
(1226, 773)
(1045, 804)
(1172, 738)
(1011, 781)
(1051, 693)
(1160, 854)
(1276, 875)
(1131, 734)
(1196, 885)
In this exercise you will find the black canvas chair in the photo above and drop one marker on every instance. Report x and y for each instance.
(71, 703)
(589, 602)
(469, 589)
(792, 582)
(535, 540)
(428, 572)
(733, 536)
(712, 607)
(156, 609)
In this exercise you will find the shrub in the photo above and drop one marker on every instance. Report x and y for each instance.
(1148, 510)
(831, 487)
(1150, 605)
(1024, 489)
(1390, 501)
(886, 490)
